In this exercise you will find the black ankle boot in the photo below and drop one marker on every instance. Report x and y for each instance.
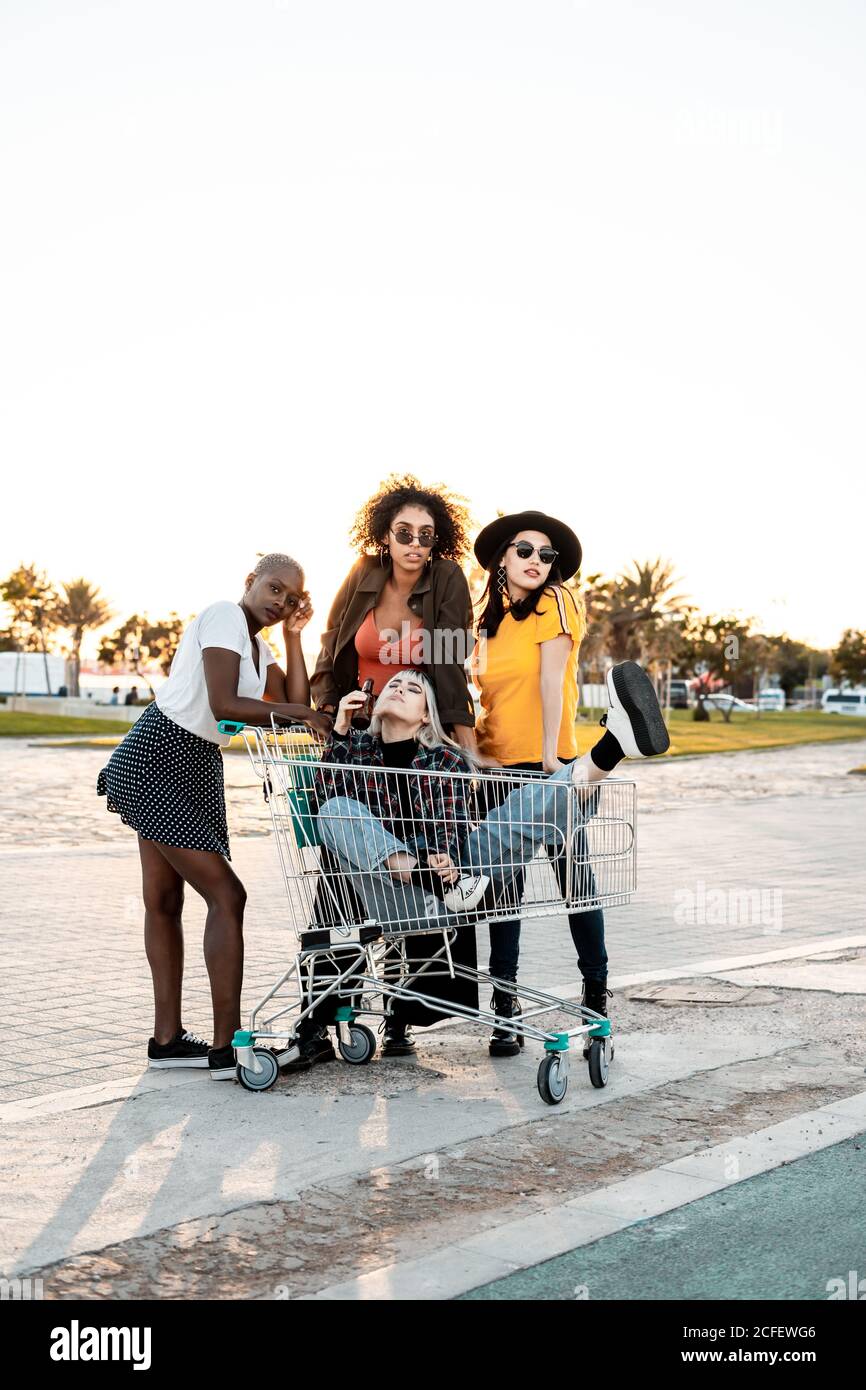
(595, 996)
(502, 1042)
(398, 1041)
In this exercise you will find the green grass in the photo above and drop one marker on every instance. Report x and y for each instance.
(15, 724)
(770, 729)
(774, 729)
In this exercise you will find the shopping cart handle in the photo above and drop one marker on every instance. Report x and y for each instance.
(230, 726)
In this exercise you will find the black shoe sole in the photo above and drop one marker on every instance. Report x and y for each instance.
(400, 1051)
(504, 1049)
(638, 698)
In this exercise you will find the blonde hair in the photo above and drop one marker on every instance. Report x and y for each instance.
(431, 734)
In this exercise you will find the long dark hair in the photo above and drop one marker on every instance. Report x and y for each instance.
(494, 609)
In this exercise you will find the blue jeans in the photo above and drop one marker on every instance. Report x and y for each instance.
(361, 844)
(540, 812)
(587, 927)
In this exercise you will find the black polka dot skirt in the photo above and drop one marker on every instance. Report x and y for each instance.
(167, 784)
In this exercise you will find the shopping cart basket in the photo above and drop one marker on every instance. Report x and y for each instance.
(544, 845)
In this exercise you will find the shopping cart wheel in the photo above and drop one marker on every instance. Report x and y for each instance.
(598, 1063)
(552, 1078)
(360, 1047)
(260, 1080)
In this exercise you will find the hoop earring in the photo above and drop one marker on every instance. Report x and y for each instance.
(384, 554)
(501, 581)
(429, 564)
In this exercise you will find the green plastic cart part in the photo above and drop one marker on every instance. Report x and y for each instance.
(345, 1014)
(601, 1029)
(243, 1038)
(230, 726)
(557, 1044)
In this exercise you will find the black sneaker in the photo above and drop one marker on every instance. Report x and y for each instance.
(398, 1039)
(185, 1050)
(223, 1063)
(502, 1042)
(315, 1048)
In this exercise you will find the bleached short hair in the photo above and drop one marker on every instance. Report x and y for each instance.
(275, 560)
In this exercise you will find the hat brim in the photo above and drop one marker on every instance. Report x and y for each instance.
(493, 538)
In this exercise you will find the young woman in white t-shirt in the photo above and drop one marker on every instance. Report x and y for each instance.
(165, 780)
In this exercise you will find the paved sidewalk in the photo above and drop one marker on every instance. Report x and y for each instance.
(76, 986)
(183, 1188)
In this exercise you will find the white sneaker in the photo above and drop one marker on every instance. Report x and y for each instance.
(466, 893)
(635, 718)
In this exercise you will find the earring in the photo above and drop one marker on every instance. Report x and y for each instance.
(384, 555)
(501, 581)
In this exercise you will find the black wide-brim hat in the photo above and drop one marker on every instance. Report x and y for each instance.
(490, 541)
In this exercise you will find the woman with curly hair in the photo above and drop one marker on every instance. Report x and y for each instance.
(405, 605)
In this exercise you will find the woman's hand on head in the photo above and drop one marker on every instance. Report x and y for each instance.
(299, 619)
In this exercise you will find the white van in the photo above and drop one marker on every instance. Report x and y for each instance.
(844, 701)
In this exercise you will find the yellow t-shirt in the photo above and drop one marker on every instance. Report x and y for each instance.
(509, 677)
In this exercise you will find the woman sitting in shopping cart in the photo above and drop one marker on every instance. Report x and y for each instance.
(397, 807)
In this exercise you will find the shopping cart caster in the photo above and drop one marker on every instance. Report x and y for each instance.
(264, 1078)
(599, 1062)
(553, 1078)
(359, 1047)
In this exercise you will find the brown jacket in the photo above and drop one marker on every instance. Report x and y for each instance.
(441, 598)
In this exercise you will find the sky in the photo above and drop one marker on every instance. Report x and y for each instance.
(605, 260)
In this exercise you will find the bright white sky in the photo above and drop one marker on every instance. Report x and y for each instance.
(605, 259)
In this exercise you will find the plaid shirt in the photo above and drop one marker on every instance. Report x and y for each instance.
(441, 806)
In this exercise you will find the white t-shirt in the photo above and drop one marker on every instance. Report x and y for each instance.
(184, 698)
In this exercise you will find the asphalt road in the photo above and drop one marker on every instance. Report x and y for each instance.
(785, 1234)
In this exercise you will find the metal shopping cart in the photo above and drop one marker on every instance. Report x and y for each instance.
(545, 846)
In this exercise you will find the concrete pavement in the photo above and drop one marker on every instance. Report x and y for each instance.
(124, 1183)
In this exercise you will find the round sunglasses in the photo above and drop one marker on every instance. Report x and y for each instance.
(546, 553)
(404, 535)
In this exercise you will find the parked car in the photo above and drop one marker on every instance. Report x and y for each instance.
(844, 701)
(680, 694)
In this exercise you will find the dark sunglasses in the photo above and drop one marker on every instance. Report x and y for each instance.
(546, 553)
(404, 536)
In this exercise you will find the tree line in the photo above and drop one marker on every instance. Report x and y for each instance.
(640, 614)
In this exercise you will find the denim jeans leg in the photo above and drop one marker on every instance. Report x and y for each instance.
(539, 812)
(350, 830)
(388, 900)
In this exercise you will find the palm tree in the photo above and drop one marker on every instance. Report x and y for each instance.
(634, 610)
(79, 609)
(32, 601)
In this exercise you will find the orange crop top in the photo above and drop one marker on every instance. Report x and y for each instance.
(379, 661)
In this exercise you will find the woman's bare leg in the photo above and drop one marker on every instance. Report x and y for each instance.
(400, 864)
(584, 771)
(162, 890)
(215, 880)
